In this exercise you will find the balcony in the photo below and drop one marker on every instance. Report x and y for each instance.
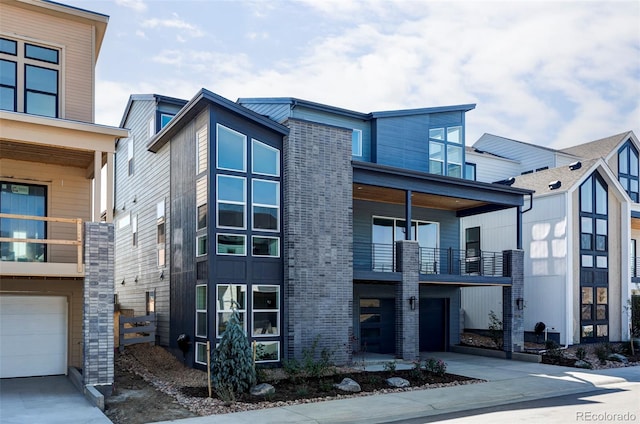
(379, 262)
(22, 256)
(635, 269)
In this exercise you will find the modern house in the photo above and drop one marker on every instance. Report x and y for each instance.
(56, 164)
(580, 234)
(317, 223)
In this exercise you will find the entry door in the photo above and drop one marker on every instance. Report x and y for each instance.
(434, 326)
(377, 325)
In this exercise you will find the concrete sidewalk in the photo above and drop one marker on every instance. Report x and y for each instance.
(45, 400)
(508, 381)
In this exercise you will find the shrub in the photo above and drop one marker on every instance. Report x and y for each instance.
(316, 365)
(389, 366)
(602, 351)
(232, 370)
(581, 353)
(495, 330)
(553, 349)
(435, 366)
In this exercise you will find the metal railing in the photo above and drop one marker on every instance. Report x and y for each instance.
(78, 241)
(459, 262)
(382, 258)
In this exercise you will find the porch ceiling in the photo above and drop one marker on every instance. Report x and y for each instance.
(421, 200)
(46, 154)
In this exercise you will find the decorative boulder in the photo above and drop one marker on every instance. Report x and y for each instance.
(618, 358)
(348, 385)
(398, 382)
(582, 364)
(262, 389)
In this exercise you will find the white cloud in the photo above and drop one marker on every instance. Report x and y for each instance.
(174, 23)
(137, 5)
(141, 34)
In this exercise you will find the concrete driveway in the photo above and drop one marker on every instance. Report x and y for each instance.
(46, 400)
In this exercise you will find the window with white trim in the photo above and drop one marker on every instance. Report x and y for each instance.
(265, 246)
(232, 200)
(231, 149)
(228, 298)
(266, 205)
(130, 156)
(201, 245)
(201, 353)
(267, 351)
(134, 230)
(356, 143)
(231, 244)
(265, 303)
(201, 310)
(446, 151)
(161, 233)
(29, 77)
(265, 159)
(201, 203)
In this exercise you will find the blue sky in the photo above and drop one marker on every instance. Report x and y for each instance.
(547, 72)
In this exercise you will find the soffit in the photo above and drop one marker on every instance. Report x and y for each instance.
(421, 200)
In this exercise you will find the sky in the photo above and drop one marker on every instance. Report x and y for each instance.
(552, 73)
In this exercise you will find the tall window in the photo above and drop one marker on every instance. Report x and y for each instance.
(356, 143)
(232, 149)
(228, 298)
(265, 159)
(23, 199)
(594, 248)
(470, 171)
(266, 310)
(160, 233)
(266, 205)
(29, 78)
(232, 200)
(385, 231)
(130, 157)
(446, 151)
(628, 169)
(134, 230)
(201, 310)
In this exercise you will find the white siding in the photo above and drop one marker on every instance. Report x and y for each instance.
(545, 264)
(531, 157)
(490, 169)
(477, 303)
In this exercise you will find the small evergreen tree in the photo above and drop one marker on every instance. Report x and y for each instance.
(232, 370)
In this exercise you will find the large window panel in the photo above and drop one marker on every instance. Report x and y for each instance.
(265, 246)
(41, 86)
(231, 201)
(231, 149)
(454, 134)
(436, 158)
(23, 199)
(201, 310)
(228, 298)
(454, 161)
(265, 159)
(266, 205)
(8, 85)
(266, 310)
(231, 244)
(356, 143)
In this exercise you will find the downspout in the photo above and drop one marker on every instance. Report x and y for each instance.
(519, 221)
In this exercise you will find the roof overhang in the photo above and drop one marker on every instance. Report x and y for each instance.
(386, 184)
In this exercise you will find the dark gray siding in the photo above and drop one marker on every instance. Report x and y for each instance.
(403, 141)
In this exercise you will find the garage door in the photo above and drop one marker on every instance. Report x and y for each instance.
(33, 336)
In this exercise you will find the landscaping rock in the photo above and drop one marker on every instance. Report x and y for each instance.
(348, 385)
(398, 382)
(617, 358)
(262, 389)
(583, 364)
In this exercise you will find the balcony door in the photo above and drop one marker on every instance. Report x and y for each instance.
(386, 231)
(28, 200)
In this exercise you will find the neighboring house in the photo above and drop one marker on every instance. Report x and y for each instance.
(56, 270)
(142, 211)
(320, 224)
(579, 234)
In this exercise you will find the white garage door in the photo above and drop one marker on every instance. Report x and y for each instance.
(33, 336)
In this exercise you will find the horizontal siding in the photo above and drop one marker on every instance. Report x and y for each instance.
(498, 230)
(531, 157)
(277, 112)
(77, 41)
(491, 169)
(68, 196)
(141, 261)
(403, 142)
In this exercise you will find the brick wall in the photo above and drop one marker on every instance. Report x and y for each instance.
(407, 319)
(512, 317)
(318, 240)
(98, 306)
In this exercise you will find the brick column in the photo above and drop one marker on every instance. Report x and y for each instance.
(512, 317)
(98, 306)
(407, 319)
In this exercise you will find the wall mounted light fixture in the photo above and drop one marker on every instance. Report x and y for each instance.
(162, 274)
(520, 303)
(412, 302)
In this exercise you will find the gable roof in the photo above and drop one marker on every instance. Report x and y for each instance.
(598, 148)
(157, 97)
(539, 181)
(201, 100)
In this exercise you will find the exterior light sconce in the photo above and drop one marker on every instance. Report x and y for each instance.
(412, 302)
(136, 279)
(122, 282)
(520, 303)
(162, 274)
